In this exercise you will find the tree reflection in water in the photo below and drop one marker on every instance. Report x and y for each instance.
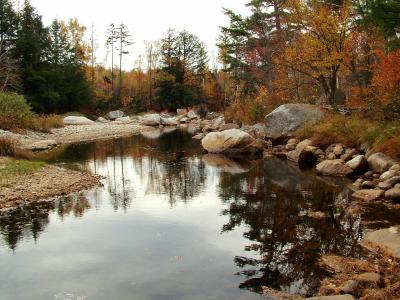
(31, 220)
(273, 201)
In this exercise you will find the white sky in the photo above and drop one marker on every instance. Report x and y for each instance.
(147, 19)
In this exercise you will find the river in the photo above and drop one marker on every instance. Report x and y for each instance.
(174, 223)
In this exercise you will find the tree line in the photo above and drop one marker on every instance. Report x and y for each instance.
(314, 51)
(326, 51)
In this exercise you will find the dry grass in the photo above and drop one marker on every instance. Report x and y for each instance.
(46, 123)
(9, 147)
(391, 147)
(336, 128)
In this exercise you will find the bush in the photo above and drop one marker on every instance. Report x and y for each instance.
(14, 111)
(47, 122)
(9, 147)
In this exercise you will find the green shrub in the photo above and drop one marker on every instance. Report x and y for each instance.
(15, 112)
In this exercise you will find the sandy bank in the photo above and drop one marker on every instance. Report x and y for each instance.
(48, 182)
(76, 134)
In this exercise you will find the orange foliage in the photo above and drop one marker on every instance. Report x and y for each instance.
(387, 76)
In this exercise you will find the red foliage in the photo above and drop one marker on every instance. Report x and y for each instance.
(387, 76)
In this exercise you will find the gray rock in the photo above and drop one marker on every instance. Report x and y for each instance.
(333, 168)
(168, 121)
(395, 167)
(123, 120)
(290, 147)
(380, 162)
(393, 194)
(191, 115)
(181, 112)
(231, 141)
(338, 150)
(184, 120)
(150, 120)
(113, 115)
(102, 120)
(287, 118)
(387, 175)
(368, 195)
(368, 185)
(294, 155)
(293, 142)
(358, 163)
(387, 239)
(73, 120)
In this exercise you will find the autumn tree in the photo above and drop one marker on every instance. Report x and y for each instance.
(320, 49)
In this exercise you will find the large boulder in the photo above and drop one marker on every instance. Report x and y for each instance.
(150, 120)
(333, 168)
(287, 118)
(113, 115)
(73, 120)
(191, 115)
(231, 141)
(380, 162)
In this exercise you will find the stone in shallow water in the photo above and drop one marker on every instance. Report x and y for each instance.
(368, 195)
(334, 168)
(387, 239)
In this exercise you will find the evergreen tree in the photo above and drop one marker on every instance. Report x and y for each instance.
(184, 63)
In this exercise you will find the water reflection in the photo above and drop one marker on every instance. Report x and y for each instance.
(274, 202)
(188, 221)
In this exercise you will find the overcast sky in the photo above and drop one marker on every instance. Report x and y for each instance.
(147, 19)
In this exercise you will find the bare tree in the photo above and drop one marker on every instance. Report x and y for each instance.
(153, 60)
(9, 73)
(124, 38)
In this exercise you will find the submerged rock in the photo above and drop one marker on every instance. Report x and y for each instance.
(368, 195)
(287, 118)
(74, 120)
(387, 239)
(231, 141)
(338, 297)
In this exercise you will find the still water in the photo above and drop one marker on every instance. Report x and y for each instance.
(173, 223)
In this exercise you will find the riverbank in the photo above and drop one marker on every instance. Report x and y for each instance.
(25, 182)
(37, 141)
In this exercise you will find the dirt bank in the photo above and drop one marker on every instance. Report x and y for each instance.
(74, 134)
(47, 182)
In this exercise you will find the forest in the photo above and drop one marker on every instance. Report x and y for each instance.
(324, 52)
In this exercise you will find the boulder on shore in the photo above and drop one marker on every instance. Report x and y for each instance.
(168, 121)
(73, 120)
(358, 164)
(113, 115)
(150, 120)
(287, 118)
(380, 162)
(231, 141)
(334, 168)
(303, 155)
